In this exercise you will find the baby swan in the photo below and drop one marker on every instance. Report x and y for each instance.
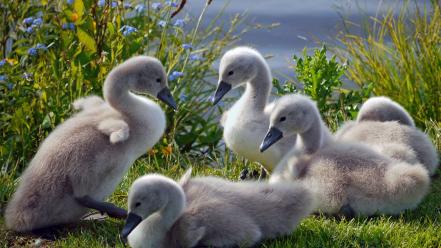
(80, 163)
(211, 212)
(383, 109)
(387, 127)
(349, 178)
(246, 122)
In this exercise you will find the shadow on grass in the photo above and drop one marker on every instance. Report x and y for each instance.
(47, 237)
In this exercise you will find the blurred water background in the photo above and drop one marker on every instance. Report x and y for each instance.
(296, 24)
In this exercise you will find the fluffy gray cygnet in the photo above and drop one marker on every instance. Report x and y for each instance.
(82, 161)
(346, 177)
(211, 212)
(387, 127)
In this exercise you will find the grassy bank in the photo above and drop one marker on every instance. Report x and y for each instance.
(418, 228)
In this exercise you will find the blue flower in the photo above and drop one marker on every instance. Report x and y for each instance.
(187, 46)
(28, 20)
(32, 51)
(127, 30)
(171, 3)
(27, 76)
(162, 23)
(2, 62)
(179, 23)
(175, 74)
(29, 30)
(3, 78)
(40, 46)
(70, 2)
(127, 5)
(101, 3)
(114, 4)
(68, 25)
(195, 57)
(10, 86)
(156, 6)
(37, 22)
(140, 8)
(183, 97)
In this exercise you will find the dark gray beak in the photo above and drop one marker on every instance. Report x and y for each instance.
(166, 96)
(131, 222)
(221, 90)
(271, 137)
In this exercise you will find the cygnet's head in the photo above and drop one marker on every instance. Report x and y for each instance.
(292, 114)
(143, 74)
(147, 195)
(384, 109)
(237, 67)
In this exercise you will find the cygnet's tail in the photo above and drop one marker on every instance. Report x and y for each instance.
(384, 109)
(406, 185)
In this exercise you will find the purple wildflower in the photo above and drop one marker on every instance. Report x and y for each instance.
(37, 22)
(127, 30)
(140, 8)
(2, 62)
(127, 5)
(29, 30)
(40, 46)
(3, 78)
(114, 4)
(28, 20)
(156, 6)
(195, 57)
(70, 2)
(172, 4)
(162, 23)
(68, 25)
(179, 23)
(32, 51)
(101, 3)
(175, 74)
(187, 46)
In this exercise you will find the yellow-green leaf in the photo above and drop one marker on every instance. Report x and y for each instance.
(86, 40)
(79, 8)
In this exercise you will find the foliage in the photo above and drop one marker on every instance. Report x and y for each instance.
(400, 55)
(322, 79)
(56, 51)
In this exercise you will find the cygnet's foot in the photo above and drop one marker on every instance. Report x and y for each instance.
(243, 174)
(347, 211)
(103, 207)
(263, 174)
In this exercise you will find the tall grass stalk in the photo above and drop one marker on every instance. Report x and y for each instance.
(400, 54)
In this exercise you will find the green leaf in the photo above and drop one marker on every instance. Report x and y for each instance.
(86, 40)
(79, 8)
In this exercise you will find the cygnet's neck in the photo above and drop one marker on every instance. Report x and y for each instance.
(258, 89)
(117, 94)
(315, 137)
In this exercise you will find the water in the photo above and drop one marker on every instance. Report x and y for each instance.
(302, 23)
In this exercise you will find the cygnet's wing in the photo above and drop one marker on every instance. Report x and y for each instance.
(88, 102)
(116, 129)
(185, 178)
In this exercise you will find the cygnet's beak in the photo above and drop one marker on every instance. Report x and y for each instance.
(221, 90)
(131, 222)
(166, 96)
(273, 135)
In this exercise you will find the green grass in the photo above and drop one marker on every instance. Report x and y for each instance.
(417, 228)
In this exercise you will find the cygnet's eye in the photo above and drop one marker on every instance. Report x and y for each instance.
(158, 80)
(230, 73)
(283, 118)
(137, 204)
